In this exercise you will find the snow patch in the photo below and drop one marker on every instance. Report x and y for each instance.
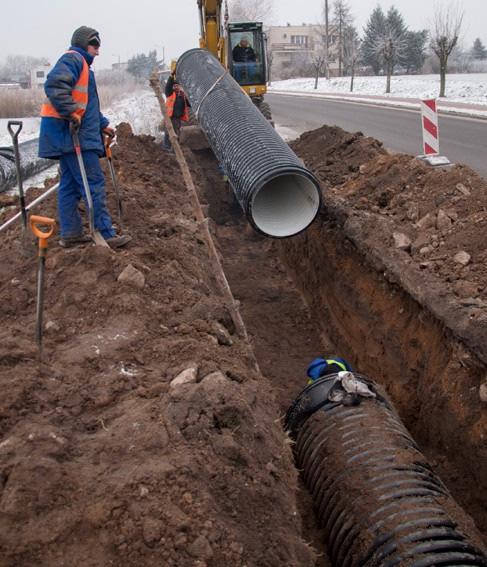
(470, 88)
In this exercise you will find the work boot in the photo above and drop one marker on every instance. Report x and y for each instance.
(118, 241)
(71, 241)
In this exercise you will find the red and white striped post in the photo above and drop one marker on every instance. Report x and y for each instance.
(431, 134)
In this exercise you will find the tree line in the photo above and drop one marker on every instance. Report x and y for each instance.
(386, 44)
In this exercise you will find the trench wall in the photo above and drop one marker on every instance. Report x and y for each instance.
(432, 376)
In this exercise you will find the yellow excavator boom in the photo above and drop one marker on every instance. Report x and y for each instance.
(211, 36)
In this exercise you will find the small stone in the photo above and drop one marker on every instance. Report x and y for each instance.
(462, 258)
(143, 491)
(443, 221)
(412, 212)
(460, 187)
(426, 250)
(222, 335)
(132, 276)
(401, 241)
(452, 214)
(483, 392)
(421, 241)
(466, 289)
(362, 168)
(53, 326)
(151, 530)
(201, 548)
(215, 378)
(426, 222)
(187, 376)
(188, 498)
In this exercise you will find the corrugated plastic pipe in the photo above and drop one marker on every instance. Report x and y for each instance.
(30, 163)
(279, 196)
(374, 493)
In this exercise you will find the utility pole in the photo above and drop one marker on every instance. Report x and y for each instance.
(327, 41)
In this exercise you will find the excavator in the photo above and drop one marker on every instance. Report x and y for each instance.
(220, 37)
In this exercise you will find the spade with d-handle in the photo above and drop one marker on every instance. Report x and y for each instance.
(15, 140)
(108, 151)
(95, 234)
(36, 223)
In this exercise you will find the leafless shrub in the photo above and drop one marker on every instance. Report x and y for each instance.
(251, 10)
(445, 33)
(20, 103)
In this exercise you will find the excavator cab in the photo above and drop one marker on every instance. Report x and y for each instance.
(247, 57)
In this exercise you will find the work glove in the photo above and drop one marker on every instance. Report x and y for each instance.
(74, 123)
(110, 132)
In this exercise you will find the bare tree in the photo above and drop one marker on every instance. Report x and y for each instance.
(391, 44)
(319, 64)
(251, 10)
(270, 61)
(351, 52)
(341, 19)
(326, 14)
(445, 34)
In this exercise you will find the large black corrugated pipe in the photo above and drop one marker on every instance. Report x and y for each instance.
(374, 493)
(279, 196)
(31, 164)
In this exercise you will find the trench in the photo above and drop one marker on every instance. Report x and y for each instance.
(316, 294)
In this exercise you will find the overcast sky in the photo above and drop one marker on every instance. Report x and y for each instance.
(44, 27)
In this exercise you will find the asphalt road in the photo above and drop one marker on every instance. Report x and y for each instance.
(462, 140)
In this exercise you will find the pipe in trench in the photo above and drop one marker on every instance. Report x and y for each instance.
(30, 163)
(279, 196)
(376, 496)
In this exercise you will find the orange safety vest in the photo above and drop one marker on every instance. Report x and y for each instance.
(80, 94)
(170, 102)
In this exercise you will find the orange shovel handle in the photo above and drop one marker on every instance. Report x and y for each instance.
(108, 143)
(43, 235)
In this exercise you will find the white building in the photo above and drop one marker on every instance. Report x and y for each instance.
(293, 47)
(38, 76)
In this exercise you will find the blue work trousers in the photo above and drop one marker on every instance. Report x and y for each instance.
(71, 191)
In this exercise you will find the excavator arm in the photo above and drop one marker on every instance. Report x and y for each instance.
(211, 37)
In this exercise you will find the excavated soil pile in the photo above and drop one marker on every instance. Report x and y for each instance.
(439, 215)
(395, 268)
(104, 458)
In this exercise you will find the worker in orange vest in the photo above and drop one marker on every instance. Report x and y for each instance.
(177, 106)
(72, 98)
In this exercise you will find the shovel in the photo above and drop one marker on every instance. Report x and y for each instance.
(108, 151)
(15, 140)
(95, 234)
(43, 235)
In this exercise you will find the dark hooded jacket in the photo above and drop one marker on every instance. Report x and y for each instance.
(55, 138)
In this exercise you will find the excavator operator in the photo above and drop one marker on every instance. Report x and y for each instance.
(243, 52)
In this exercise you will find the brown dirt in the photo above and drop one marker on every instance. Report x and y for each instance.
(442, 211)
(101, 460)
(284, 336)
(127, 470)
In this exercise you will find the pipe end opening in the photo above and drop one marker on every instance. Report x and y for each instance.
(285, 205)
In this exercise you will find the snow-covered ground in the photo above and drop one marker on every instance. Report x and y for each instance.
(30, 130)
(140, 109)
(468, 88)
